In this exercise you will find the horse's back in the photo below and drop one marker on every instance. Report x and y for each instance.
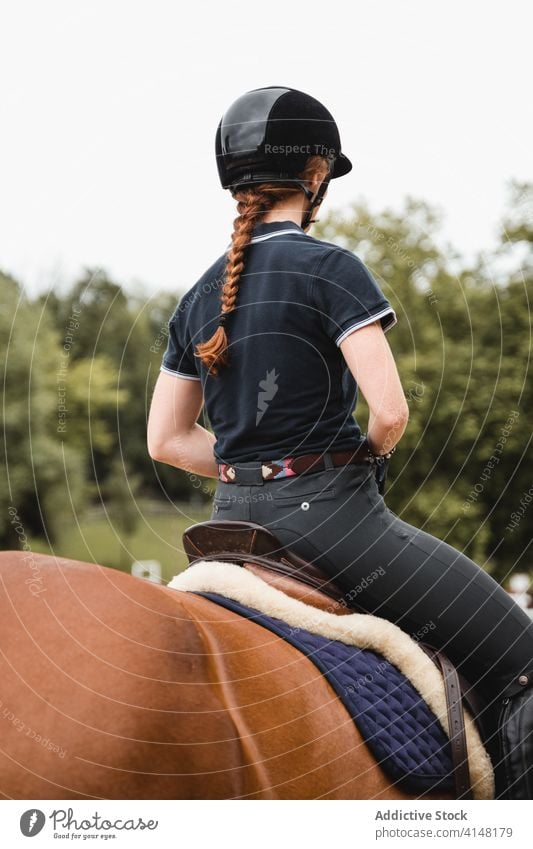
(115, 687)
(102, 675)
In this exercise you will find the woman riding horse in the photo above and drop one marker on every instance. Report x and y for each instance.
(276, 338)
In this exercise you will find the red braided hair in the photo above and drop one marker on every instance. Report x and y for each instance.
(253, 203)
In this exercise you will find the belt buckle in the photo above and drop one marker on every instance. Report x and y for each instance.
(226, 473)
(243, 475)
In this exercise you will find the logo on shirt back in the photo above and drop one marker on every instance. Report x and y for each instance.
(268, 388)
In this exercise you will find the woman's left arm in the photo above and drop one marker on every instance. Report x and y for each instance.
(173, 435)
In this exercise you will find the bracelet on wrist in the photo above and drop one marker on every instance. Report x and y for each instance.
(374, 457)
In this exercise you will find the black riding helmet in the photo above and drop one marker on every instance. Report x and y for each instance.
(268, 134)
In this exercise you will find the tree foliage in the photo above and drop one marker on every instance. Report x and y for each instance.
(463, 348)
(462, 344)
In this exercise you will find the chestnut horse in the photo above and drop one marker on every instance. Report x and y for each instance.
(112, 687)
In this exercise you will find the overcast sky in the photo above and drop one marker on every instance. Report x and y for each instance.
(109, 112)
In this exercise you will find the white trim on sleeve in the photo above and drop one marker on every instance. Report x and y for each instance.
(178, 374)
(365, 321)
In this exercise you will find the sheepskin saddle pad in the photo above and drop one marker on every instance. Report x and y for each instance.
(389, 686)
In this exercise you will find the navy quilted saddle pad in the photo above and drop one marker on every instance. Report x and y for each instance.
(403, 734)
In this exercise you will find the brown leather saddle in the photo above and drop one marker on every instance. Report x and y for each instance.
(247, 543)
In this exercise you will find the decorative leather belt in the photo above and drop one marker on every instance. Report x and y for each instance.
(275, 469)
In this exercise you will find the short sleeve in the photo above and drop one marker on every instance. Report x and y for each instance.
(178, 358)
(347, 296)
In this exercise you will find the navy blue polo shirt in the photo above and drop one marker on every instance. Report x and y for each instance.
(287, 390)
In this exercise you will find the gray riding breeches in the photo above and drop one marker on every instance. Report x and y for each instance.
(337, 519)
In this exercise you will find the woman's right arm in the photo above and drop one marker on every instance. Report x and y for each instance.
(371, 362)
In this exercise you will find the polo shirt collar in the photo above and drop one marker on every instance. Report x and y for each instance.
(267, 228)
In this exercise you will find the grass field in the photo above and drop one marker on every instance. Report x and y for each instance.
(157, 537)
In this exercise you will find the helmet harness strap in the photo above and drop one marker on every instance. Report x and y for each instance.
(314, 198)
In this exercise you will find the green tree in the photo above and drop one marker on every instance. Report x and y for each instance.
(43, 477)
(127, 335)
(462, 345)
(119, 498)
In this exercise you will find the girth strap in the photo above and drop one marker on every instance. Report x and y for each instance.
(454, 705)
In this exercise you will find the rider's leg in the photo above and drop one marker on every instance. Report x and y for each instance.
(424, 585)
